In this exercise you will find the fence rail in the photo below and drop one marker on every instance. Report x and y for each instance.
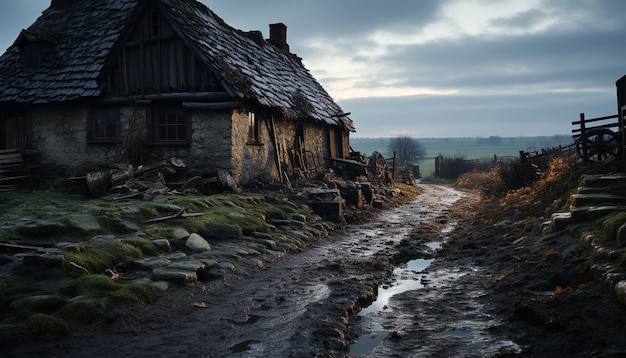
(588, 133)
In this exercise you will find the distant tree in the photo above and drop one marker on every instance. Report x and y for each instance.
(408, 150)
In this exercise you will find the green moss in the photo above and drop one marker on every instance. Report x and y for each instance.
(37, 304)
(14, 334)
(100, 255)
(85, 311)
(46, 326)
(101, 286)
(612, 223)
(12, 290)
(138, 293)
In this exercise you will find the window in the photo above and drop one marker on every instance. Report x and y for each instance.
(170, 126)
(253, 129)
(104, 125)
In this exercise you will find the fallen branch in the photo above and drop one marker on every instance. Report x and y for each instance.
(164, 218)
(75, 265)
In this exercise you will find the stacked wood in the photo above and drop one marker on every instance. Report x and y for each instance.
(125, 181)
(13, 170)
(406, 176)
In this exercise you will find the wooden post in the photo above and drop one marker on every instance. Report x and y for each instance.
(621, 118)
(395, 165)
(582, 137)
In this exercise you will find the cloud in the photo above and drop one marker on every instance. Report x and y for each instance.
(439, 66)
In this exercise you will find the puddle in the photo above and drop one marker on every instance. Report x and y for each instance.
(367, 343)
(402, 285)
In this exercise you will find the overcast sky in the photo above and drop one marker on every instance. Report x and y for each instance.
(447, 68)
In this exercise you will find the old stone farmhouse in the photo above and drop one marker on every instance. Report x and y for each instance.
(141, 81)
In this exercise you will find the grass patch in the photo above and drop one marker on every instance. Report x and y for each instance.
(100, 255)
(42, 325)
(101, 286)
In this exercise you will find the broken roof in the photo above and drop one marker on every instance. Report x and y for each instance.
(81, 38)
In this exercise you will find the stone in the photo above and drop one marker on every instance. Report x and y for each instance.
(620, 291)
(209, 263)
(48, 260)
(178, 276)
(196, 242)
(620, 237)
(152, 262)
(177, 233)
(84, 222)
(188, 265)
(561, 220)
(127, 226)
(162, 244)
(176, 256)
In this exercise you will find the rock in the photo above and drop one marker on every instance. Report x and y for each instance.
(196, 242)
(177, 233)
(209, 263)
(561, 220)
(70, 246)
(152, 262)
(127, 226)
(84, 222)
(188, 265)
(36, 228)
(178, 276)
(47, 260)
(298, 217)
(162, 244)
(621, 235)
(160, 285)
(620, 291)
(226, 265)
(504, 225)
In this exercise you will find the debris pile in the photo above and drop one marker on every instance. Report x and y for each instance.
(124, 181)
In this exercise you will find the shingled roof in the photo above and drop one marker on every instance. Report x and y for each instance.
(82, 37)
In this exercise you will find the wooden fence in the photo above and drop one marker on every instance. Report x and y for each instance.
(587, 128)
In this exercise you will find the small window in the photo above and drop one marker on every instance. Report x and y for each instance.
(253, 129)
(104, 125)
(170, 126)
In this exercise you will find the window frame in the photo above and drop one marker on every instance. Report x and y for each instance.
(112, 123)
(162, 126)
(253, 129)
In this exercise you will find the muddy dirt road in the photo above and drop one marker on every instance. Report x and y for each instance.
(309, 303)
(304, 304)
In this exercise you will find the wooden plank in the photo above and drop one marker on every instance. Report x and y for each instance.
(9, 151)
(14, 178)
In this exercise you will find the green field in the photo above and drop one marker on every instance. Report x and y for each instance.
(467, 148)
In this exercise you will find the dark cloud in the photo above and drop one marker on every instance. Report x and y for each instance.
(475, 115)
(327, 18)
(510, 80)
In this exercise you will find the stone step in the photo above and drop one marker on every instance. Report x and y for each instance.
(604, 180)
(597, 199)
(561, 220)
(584, 213)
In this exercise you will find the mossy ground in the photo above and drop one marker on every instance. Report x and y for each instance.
(77, 290)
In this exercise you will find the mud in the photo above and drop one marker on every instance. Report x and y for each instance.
(460, 288)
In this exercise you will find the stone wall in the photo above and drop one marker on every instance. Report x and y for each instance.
(252, 160)
(59, 138)
(219, 141)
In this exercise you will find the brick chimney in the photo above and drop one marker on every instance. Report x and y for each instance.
(278, 36)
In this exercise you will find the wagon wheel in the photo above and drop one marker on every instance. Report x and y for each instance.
(379, 169)
(603, 146)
